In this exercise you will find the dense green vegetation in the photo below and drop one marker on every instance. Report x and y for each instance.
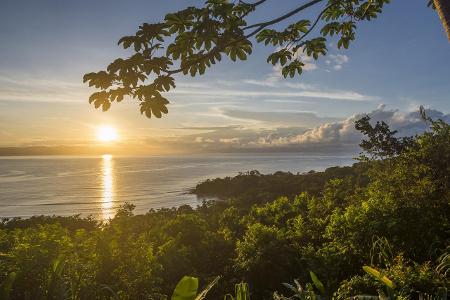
(254, 187)
(388, 212)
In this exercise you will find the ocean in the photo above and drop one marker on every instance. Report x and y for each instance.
(68, 185)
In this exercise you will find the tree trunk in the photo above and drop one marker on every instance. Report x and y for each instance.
(443, 9)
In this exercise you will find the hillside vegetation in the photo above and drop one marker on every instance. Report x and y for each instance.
(389, 212)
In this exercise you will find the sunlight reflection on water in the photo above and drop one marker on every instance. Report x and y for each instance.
(107, 187)
(97, 185)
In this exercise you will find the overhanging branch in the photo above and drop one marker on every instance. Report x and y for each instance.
(262, 25)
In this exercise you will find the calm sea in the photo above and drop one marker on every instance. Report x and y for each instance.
(53, 185)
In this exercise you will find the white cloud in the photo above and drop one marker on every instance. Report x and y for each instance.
(307, 60)
(278, 90)
(232, 93)
(299, 85)
(266, 82)
(305, 119)
(27, 88)
(275, 76)
(339, 58)
(344, 132)
(337, 61)
(201, 139)
(328, 137)
(234, 140)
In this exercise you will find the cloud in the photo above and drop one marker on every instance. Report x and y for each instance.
(327, 137)
(200, 139)
(275, 79)
(344, 132)
(336, 61)
(309, 62)
(207, 128)
(303, 119)
(276, 75)
(32, 89)
(307, 133)
(281, 91)
(234, 140)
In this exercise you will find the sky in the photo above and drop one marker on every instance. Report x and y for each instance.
(399, 61)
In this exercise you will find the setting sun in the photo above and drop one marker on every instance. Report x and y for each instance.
(107, 134)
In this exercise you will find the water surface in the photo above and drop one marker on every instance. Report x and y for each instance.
(58, 185)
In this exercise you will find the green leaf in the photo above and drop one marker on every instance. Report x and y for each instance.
(186, 289)
(242, 291)
(377, 274)
(317, 283)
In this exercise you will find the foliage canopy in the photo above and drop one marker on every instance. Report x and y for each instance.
(194, 39)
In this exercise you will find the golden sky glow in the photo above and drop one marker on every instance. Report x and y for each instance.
(249, 105)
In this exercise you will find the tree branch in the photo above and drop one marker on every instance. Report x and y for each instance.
(260, 26)
(283, 17)
(253, 4)
(314, 24)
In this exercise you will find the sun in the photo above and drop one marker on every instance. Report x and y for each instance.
(107, 134)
